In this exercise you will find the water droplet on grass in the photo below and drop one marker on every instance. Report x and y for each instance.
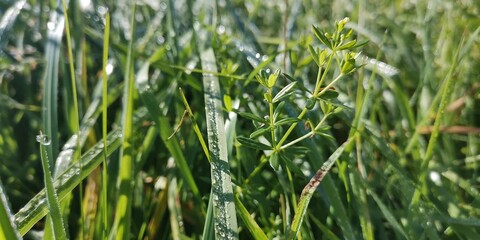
(43, 139)
(51, 26)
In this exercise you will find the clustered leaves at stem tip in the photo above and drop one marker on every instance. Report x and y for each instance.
(338, 47)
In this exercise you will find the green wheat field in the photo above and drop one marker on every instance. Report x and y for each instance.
(284, 119)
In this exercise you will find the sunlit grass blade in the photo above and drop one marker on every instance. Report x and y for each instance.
(56, 218)
(310, 188)
(7, 228)
(37, 208)
(223, 202)
(123, 210)
(195, 125)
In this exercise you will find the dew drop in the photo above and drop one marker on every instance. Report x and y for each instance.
(257, 55)
(163, 6)
(51, 26)
(43, 139)
(102, 10)
(220, 29)
(160, 40)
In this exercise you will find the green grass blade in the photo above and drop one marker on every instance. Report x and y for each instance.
(7, 21)
(7, 228)
(310, 188)
(52, 198)
(208, 227)
(223, 202)
(122, 221)
(104, 211)
(388, 214)
(449, 83)
(163, 125)
(37, 208)
(56, 26)
(73, 118)
(195, 125)
(251, 224)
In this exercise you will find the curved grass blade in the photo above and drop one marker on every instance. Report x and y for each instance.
(252, 225)
(7, 229)
(37, 208)
(310, 188)
(56, 218)
(223, 202)
(7, 21)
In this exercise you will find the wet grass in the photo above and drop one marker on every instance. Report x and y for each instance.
(201, 137)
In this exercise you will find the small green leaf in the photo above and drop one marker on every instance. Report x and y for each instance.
(314, 55)
(322, 57)
(273, 160)
(359, 44)
(272, 79)
(261, 80)
(328, 136)
(268, 97)
(347, 45)
(287, 121)
(248, 142)
(321, 36)
(259, 132)
(298, 150)
(278, 110)
(329, 94)
(252, 117)
(310, 103)
(283, 93)
(227, 101)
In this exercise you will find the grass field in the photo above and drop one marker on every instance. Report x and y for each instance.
(240, 119)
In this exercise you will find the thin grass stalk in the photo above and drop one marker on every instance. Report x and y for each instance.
(122, 221)
(104, 193)
(57, 224)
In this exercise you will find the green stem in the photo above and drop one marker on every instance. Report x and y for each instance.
(310, 134)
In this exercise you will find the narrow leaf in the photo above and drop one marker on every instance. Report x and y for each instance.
(281, 94)
(247, 142)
